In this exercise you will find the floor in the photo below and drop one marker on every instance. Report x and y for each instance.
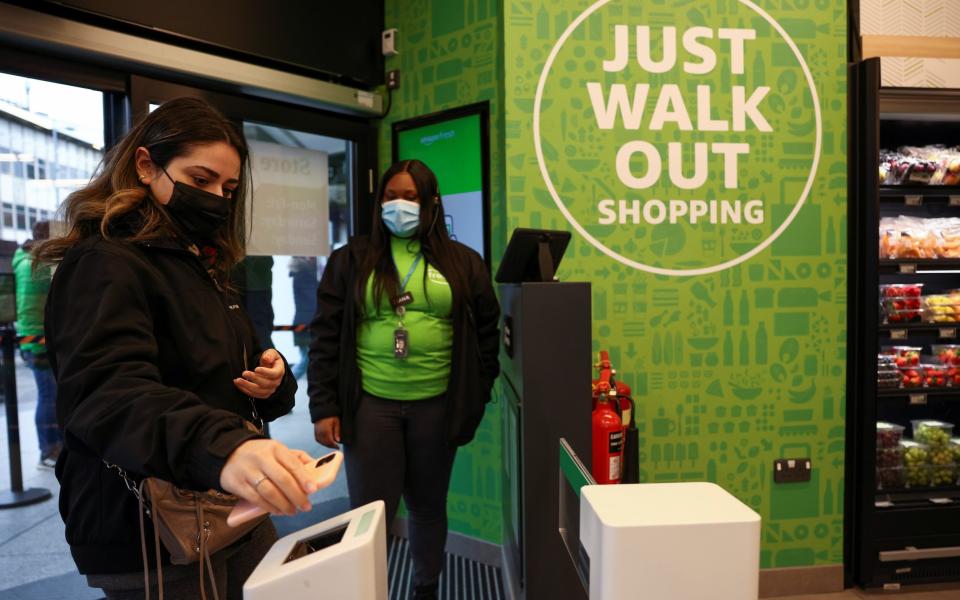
(462, 578)
(927, 594)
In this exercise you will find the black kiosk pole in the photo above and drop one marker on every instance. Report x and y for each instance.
(16, 496)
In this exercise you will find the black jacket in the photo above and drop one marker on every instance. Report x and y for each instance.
(333, 376)
(145, 349)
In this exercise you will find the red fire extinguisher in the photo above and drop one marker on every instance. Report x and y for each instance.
(607, 428)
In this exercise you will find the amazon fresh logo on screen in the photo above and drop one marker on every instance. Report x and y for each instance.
(679, 140)
(427, 140)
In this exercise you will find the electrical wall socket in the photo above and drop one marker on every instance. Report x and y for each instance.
(791, 470)
(393, 79)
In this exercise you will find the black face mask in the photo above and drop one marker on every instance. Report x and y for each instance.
(197, 213)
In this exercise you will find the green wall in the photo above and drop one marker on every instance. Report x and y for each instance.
(451, 55)
(734, 368)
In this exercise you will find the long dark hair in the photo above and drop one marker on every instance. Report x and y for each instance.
(115, 194)
(435, 243)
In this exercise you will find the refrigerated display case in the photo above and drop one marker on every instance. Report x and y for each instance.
(903, 388)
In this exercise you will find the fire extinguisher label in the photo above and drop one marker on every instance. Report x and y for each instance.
(614, 469)
(616, 442)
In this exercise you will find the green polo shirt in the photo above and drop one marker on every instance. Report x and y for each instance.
(426, 370)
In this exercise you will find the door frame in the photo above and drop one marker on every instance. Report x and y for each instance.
(361, 133)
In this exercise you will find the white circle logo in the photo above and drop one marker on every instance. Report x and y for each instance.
(693, 211)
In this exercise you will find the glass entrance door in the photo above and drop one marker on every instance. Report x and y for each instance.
(312, 178)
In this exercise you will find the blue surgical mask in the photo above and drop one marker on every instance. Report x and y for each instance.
(402, 217)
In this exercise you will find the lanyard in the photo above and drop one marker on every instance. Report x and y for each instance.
(405, 297)
(413, 267)
(400, 336)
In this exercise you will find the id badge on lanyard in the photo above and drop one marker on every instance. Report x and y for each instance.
(401, 338)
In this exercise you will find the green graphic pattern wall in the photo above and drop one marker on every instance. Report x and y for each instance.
(734, 368)
(450, 56)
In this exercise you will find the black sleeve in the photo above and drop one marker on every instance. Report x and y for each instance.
(325, 331)
(283, 399)
(487, 315)
(110, 397)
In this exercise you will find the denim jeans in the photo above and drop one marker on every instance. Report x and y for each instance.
(401, 448)
(48, 432)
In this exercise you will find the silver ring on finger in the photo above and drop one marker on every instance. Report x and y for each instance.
(259, 481)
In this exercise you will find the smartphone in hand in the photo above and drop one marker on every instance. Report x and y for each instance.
(323, 472)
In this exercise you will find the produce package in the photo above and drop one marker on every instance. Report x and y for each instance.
(889, 435)
(912, 377)
(888, 374)
(942, 308)
(906, 237)
(948, 354)
(934, 434)
(920, 165)
(903, 356)
(901, 303)
(890, 457)
(934, 375)
(916, 464)
(949, 357)
(891, 478)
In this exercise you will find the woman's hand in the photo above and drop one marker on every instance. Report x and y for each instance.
(327, 432)
(263, 381)
(270, 475)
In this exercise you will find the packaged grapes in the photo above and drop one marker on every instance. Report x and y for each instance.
(891, 478)
(889, 435)
(943, 475)
(890, 456)
(932, 433)
(916, 464)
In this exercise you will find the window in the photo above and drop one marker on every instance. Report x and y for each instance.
(67, 132)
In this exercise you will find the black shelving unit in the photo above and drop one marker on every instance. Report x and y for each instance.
(897, 536)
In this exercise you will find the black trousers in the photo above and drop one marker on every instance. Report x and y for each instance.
(231, 568)
(401, 449)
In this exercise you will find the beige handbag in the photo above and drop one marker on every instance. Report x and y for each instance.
(192, 525)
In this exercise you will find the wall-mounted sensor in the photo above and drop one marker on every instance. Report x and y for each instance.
(389, 42)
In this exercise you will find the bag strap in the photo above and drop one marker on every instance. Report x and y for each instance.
(204, 551)
(143, 547)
